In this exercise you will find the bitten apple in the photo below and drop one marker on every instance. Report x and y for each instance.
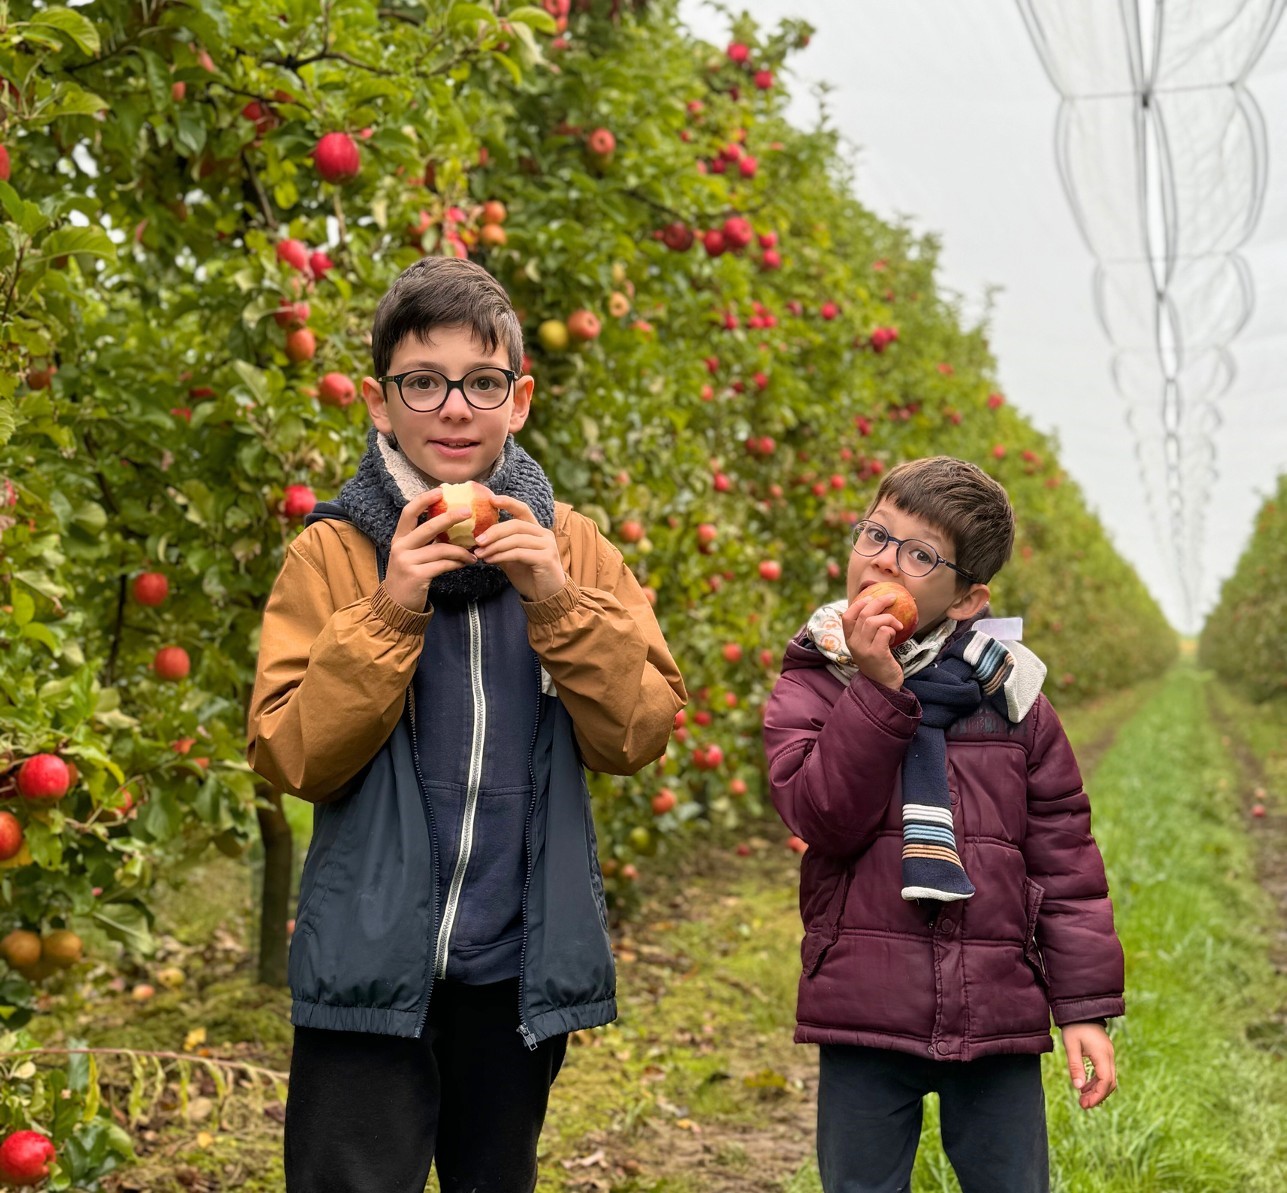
(483, 514)
(903, 608)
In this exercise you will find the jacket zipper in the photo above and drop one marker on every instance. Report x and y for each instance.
(471, 793)
(523, 1030)
(433, 842)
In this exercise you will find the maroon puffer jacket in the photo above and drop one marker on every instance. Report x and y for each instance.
(985, 977)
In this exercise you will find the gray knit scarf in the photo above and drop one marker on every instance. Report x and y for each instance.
(386, 480)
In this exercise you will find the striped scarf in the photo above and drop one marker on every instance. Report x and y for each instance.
(970, 670)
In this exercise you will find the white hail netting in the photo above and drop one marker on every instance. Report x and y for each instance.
(1161, 150)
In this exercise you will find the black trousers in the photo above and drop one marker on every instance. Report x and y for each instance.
(992, 1114)
(369, 1113)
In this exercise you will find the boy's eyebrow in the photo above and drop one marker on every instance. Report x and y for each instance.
(440, 368)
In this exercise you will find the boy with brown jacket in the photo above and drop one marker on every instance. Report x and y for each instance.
(437, 704)
(953, 897)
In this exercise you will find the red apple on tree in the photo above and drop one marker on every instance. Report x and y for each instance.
(336, 158)
(292, 314)
(44, 776)
(664, 801)
(903, 608)
(601, 143)
(319, 263)
(301, 345)
(171, 663)
(738, 53)
(297, 500)
(477, 499)
(293, 253)
(494, 212)
(26, 1158)
(677, 236)
(10, 836)
(631, 532)
(150, 588)
(4, 164)
(335, 389)
(584, 325)
(770, 569)
(732, 652)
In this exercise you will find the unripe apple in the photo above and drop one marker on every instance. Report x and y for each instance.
(301, 345)
(10, 836)
(336, 158)
(584, 325)
(293, 253)
(297, 500)
(26, 1158)
(150, 588)
(143, 992)
(335, 389)
(171, 663)
(553, 334)
(903, 608)
(63, 947)
(483, 514)
(664, 801)
(44, 776)
(21, 948)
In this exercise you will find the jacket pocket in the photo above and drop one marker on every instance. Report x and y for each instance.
(1033, 894)
(818, 942)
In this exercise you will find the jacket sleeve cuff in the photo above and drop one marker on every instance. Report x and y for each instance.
(555, 607)
(398, 617)
(1086, 1010)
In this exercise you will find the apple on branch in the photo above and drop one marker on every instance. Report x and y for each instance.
(472, 496)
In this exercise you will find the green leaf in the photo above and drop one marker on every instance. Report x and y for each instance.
(129, 923)
(78, 27)
(39, 632)
(470, 14)
(93, 240)
(24, 608)
(70, 100)
(537, 18)
(509, 64)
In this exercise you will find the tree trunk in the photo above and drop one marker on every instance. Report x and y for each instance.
(274, 902)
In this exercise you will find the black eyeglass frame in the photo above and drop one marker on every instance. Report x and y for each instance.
(456, 383)
(898, 546)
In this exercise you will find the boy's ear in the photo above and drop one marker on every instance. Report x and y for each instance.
(377, 405)
(969, 603)
(523, 388)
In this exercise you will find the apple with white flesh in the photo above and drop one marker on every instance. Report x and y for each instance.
(470, 495)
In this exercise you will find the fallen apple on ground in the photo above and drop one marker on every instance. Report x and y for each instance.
(903, 608)
(475, 497)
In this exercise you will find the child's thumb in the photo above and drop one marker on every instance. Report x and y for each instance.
(1076, 1071)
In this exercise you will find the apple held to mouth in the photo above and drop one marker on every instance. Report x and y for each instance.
(903, 608)
(475, 497)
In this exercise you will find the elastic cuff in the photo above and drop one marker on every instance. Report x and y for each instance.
(554, 607)
(396, 616)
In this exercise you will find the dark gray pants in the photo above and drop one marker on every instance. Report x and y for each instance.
(369, 1113)
(992, 1113)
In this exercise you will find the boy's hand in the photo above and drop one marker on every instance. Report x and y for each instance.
(525, 550)
(869, 634)
(414, 558)
(1089, 1041)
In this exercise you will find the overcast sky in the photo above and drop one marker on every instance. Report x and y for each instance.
(951, 119)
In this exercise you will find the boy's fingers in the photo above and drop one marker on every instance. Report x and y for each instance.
(413, 509)
(511, 505)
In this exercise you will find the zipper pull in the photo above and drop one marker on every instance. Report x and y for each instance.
(528, 1038)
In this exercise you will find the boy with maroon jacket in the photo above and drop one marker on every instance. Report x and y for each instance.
(953, 897)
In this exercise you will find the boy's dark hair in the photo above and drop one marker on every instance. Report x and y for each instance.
(445, 292)
(961, 499)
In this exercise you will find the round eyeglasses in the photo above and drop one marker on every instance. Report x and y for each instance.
(424, 390)
(914, 558)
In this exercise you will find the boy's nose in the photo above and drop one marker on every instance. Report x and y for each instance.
(455, 407)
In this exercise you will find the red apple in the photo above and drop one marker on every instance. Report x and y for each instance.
(706, 534)
(763, 79)
(743, 850)
(713, 242)
(1257, 810)
(828, 310)
(178, 91)
(319, 263)
(903, 608)
(732, 652)
(492, 236)
(292, 314)
(336, 158)
(171, 663)
(583, 325)
(483, 515)
(995, 401)
(494, 212)
(601, 142)
(10, 836)
(677, 236)
(297, 500)
(301, 345)
(26, 1158)
(293, 253)
(738, 52)
(150, 588)
(631, 532)
(737, 787)
(4, 164)
(796, 845)
(664, 801)
(335, 389)
(770, 569)
(770, 260)
(44, 776)
(738, 232)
